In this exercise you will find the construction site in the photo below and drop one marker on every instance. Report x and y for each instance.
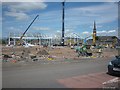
(42, 49)
(62, 58)
(23, 47)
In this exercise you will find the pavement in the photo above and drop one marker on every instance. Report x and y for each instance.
(95, 80)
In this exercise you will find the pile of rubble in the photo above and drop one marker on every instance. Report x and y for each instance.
(42, 52)
(30, 54)
(25, 55)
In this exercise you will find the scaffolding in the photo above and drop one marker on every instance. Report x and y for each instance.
(36, 39)
(42, 39)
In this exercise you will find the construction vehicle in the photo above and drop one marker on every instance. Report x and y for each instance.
(82, 50)
(21, 41)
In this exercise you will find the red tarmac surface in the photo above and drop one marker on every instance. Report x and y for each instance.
(95, 80)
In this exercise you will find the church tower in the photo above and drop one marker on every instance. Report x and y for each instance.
(94, 34)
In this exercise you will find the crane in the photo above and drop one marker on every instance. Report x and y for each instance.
(27, 30)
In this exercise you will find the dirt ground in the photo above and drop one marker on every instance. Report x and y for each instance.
(52, 52)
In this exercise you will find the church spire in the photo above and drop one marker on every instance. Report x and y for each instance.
(94, 26)
(94, 34)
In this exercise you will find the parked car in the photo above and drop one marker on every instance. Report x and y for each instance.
(114, 66)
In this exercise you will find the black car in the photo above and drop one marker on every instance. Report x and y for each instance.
(114, 66)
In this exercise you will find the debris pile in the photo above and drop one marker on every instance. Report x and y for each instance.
(42, 52)
(49, 54)
(25, 54)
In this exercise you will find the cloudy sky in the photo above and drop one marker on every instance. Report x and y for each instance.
(79, 17)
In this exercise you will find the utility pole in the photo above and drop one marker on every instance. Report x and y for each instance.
(119, 28)
(63, 15)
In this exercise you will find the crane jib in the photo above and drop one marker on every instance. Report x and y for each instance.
(28, 27)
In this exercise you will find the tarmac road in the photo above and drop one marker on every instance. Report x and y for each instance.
(49, 75)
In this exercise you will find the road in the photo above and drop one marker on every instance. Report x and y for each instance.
(51, 75)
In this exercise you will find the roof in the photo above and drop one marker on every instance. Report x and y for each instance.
(107, 38)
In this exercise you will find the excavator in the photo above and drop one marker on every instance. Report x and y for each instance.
(21, 41)
(82, 51)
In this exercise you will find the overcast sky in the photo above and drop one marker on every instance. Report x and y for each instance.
(79, 17)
